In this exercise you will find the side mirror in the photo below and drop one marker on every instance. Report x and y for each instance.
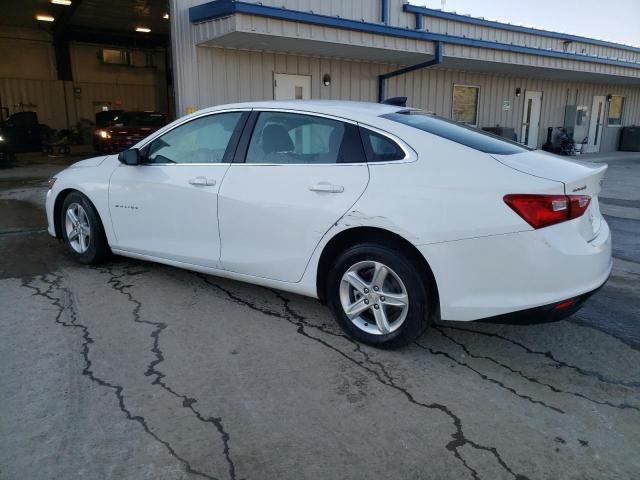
(130, 157)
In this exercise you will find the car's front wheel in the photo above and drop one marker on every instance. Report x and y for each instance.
(378, 296)
(82, 230)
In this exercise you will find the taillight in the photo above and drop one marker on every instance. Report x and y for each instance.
(543, 210)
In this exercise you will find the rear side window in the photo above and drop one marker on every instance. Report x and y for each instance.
(458, 132)
(292, 138)
(380, 148)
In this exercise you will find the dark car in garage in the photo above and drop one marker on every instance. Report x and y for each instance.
(22, 132)
(126, 129)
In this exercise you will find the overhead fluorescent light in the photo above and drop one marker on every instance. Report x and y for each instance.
(45, 18)
(143, 29)
(61, 2)
(166, 16)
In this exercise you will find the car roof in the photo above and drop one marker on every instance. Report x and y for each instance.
(339, 108)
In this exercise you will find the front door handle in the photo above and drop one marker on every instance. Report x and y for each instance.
(326, 187)
(202, 182)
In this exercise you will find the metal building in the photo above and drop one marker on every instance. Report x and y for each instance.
(477, 71)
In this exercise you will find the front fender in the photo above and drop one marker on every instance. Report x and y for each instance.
(93, 182)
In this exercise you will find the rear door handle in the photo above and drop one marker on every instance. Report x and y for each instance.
(326, 187)
(202, 182)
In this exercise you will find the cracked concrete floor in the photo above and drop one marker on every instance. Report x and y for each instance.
(140, 371)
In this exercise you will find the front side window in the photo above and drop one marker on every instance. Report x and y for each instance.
(615, 110)
(203, 140)
(292, 138)
(465, 104)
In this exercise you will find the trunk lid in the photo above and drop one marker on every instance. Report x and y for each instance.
(579, 178)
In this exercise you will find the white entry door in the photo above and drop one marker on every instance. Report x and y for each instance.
(596, 123)
(531, 118)
(291, 87)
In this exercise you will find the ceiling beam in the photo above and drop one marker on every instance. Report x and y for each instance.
(60, 44)
(116, 38)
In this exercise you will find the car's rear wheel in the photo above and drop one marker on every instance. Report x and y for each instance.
(82, 230)
(378, 296)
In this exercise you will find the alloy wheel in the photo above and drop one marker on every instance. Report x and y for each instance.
(77, 227)
(374, 297)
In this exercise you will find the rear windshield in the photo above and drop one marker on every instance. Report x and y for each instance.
(458, 132)
(139, 119)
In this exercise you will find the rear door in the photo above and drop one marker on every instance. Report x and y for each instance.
(294, 176)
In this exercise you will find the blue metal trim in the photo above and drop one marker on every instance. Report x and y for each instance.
(384, 11)
(512, 28)
(211, 10)
(224, 8)
(381, 78)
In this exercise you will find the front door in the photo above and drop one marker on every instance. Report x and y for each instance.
(167, 207)
(531, 118)
(291, 87)
(300, 175)
(596, 123)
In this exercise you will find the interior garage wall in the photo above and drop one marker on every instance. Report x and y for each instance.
(28, 80)
(228, 75)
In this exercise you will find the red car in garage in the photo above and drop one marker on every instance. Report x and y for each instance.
(126, 129)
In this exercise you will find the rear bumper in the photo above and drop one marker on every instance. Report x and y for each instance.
(545, 314)
(498, 275)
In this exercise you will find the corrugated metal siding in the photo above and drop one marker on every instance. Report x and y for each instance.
(366, 10)
(46, 97)
(254, 24)
(208, 76)
(370, 11)
(226, 75)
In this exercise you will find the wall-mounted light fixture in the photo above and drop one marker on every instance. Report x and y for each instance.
(518, 92)
(143, 30)
(609, 97)
(326, 79)
(44, 18)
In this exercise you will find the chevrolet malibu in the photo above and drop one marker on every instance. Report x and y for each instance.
(392, 217)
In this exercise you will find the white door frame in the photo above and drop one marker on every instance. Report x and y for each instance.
(531, 113)
(287, 86)
(596, 123)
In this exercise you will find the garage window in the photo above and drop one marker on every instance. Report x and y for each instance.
(464, 107)
(615, 110)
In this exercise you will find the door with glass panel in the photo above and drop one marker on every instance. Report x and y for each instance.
(531, 118)
(597, 123)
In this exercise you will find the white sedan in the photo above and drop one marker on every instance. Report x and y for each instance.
(392, 217)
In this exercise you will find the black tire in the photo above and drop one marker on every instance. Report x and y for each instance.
(98, 250)
(420, 294)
